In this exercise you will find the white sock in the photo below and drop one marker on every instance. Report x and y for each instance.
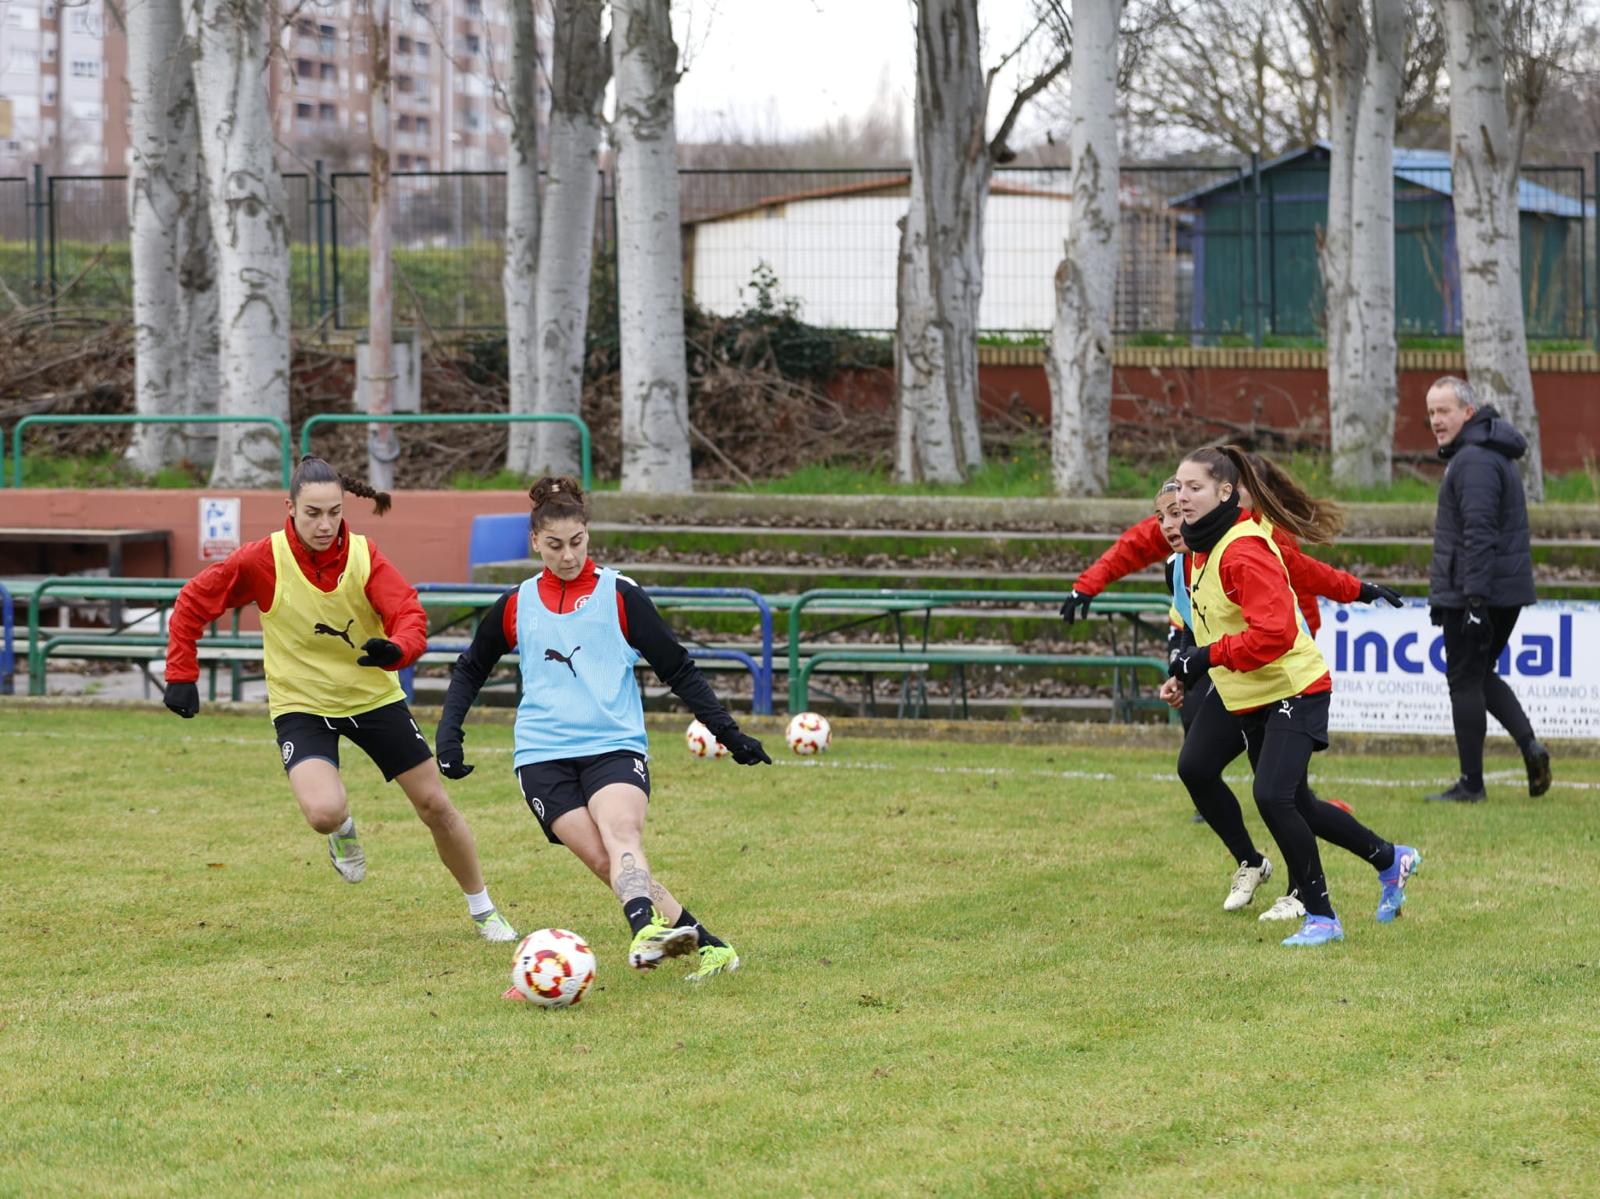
(347, 828)
(479, 904)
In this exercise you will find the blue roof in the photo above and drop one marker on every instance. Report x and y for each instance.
(1424, 168)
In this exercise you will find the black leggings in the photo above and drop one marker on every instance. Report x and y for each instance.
(1280, 741)
(1477, 691)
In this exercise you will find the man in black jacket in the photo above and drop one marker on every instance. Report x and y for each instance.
(1481, 578)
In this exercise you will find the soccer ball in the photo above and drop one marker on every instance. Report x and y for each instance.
(809, 734)
(701, 743)
(552, 967)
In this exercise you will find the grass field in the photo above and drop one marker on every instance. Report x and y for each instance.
(969, 970)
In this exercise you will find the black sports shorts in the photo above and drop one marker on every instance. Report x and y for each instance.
(388, 735)
(552, 789)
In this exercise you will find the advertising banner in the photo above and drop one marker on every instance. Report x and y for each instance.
(1388, 668)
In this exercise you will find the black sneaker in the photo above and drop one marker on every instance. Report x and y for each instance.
(1457, 792)
(1537, 758)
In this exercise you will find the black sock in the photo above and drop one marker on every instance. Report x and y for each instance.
(1472, 784)
(706, 936)
(638, 910)
(1384, 858)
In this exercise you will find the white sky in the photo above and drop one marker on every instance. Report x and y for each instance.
(785, 66)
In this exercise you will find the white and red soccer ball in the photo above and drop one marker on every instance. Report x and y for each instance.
(552, 967)
(701, 743)
(809, 734)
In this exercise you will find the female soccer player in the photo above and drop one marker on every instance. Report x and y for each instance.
(337, 619)
(581, 751)
(1269, 685)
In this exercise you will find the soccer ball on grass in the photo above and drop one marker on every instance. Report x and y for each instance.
(809, 734)
(552, 967)
(701, 743)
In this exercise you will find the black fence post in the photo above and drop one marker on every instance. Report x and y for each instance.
(1255, 244)
(1594, 240)
(50, 221)
(333, 236)
(318, 199)
(38, 206)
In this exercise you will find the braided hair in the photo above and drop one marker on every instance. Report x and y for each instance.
(317, 470)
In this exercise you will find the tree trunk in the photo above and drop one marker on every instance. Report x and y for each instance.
(1358, 248)
(579, 72)
(383, 447)
(655, 391)
(937, 321)
(197, 319)
(1483, 169)
(164, 188)
(927, 446)
(251, 232)
(1078, 361)
(520, 277)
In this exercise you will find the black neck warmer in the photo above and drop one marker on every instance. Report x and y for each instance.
(1208, 530)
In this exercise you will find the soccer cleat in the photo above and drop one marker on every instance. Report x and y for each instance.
(714, 960)
(347, 856)
(1245, 881)
(1317, 930)
(1458, 792)
(492, 926)
(658, 940)
(1337, 803)
(514, 995)
(1407, 861)
(1285, 907)
(1537, 758)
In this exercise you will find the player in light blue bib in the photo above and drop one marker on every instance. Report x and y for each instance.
(581, 757)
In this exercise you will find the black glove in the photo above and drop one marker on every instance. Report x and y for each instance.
(1191, 665)
(182, 698)
(1475, 623)
(1371, 592)
(380, 653)
(1077, 605)
(746, 750)
(452, 758)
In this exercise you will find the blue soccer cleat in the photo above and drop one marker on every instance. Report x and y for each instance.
(1317, 930)
(1407, 861)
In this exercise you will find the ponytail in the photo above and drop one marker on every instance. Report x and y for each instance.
(316, 470)
(556, 498)
(1299, 514)
(1322, 519)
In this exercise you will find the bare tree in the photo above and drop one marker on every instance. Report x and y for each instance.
(1357, 254)
(1488, 122)
(1254, 75)
(252, 234)
(520, 274)
(174, 287)
(1079, 360)
(579, 72)
(940, 274)
(383, 447)
(655, 390)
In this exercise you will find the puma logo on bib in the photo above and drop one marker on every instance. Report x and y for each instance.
(327, 630)
(552, 655)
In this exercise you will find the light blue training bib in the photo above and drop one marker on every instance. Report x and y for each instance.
(579, 693)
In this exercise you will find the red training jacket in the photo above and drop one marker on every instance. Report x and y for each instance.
(1145, 545)
(248, 576)
(1252, 577)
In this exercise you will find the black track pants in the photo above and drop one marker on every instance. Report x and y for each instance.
(1477, 691)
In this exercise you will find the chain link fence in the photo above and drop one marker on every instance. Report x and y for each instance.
(1210, 254)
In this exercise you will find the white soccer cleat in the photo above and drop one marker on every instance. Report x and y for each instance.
(1245, 881)
(347, 856)
(1286, 907)
(492, 926)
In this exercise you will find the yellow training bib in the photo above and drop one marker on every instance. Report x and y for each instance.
(1215, 616)
(311, 639)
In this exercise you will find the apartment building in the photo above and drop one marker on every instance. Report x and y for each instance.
(63, 88)
(64, 93)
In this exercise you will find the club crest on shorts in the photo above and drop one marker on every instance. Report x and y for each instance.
(537, 805)
(288, 751)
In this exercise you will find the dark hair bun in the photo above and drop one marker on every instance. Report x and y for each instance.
(557, 498)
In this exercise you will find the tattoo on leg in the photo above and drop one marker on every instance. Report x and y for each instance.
(633, 881)
(658, 893)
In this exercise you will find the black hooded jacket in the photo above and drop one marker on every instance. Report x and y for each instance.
(1480, 532)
